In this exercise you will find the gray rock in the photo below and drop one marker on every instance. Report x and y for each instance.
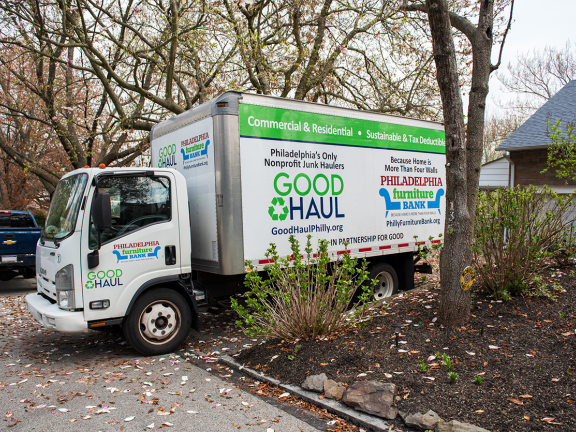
(315, 382)
(333, 389)
(456, 426)
(372, 397)
(347, 379)
(427, 421)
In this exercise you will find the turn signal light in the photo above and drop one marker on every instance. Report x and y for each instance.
(100, 304)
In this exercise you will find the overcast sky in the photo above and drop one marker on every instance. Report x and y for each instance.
(536, 23)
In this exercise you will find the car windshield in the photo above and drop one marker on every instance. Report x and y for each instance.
(63, 212)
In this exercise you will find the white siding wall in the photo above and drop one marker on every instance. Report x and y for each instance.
(494, 174)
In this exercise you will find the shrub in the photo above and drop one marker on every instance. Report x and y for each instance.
(304, 297)
(565, 246)
(40, 219)
(516, 230)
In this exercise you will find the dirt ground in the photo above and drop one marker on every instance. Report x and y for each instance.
(514, 360)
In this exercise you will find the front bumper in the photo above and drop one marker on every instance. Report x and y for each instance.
(22, 260)
(54, 318)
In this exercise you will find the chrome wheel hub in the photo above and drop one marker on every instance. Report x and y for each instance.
(384, 287)
(159, 321)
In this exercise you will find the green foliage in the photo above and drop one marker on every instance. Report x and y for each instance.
(422, 366)
(304, 296)
(565, 246)
(453, 377)
(513, 223)
(293, 355)
(40, 219)
(540, 288)
(438, 357)
(447, 362)
(562, 150)
(479, 380)
(425, 252)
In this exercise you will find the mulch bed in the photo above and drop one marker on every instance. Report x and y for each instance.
(523, 349)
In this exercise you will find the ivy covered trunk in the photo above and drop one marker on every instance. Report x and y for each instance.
(457, 252)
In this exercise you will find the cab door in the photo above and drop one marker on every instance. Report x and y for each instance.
(141, 245)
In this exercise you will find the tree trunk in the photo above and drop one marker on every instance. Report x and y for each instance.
(457, 251)
(481, 41)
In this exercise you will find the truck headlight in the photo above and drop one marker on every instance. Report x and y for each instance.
(38, 263)
(65, 287)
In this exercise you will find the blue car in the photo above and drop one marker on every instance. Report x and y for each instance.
(19, 234)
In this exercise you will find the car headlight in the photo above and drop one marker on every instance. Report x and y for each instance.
(65, 287)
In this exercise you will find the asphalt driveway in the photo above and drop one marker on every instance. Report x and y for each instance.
(94, 381)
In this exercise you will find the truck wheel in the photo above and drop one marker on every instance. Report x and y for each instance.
(387, 280)
(158, 322)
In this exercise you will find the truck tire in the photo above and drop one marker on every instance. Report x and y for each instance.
(386, 278)
(158, 322)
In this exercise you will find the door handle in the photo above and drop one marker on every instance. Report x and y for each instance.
(170, 255)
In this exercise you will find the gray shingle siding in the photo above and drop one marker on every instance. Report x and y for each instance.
(532, 133)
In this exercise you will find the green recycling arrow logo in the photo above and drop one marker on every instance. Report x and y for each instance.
(278, 203)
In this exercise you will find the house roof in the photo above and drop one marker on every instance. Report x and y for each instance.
(493, 161)
(532, 134)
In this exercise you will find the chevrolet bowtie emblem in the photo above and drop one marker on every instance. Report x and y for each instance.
(9, 242)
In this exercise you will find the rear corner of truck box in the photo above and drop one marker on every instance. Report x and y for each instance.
(228, 183)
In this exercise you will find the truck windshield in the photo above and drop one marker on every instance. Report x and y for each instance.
(63, 212)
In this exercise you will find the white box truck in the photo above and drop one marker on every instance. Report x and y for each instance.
(143, 247)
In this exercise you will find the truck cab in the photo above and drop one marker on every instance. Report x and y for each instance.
(116, 251)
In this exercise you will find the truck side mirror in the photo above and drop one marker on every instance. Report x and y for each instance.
(101, 211)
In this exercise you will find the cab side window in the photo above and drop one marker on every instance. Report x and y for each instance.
(136, 202)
